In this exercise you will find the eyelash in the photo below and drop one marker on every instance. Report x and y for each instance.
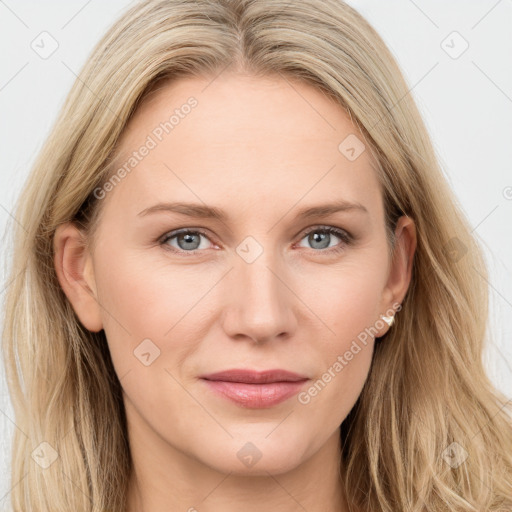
(346, 238)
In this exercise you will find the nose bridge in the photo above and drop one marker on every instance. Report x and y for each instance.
(261, 304)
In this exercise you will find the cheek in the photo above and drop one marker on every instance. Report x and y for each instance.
(346, 299)
(146, 298)
(144, 285)
(348, 305)
(147, 308)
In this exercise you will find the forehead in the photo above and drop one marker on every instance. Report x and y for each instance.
(245, 138)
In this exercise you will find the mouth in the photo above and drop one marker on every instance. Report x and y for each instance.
(255, 389)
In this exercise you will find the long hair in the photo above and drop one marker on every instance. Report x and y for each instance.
(427, 401)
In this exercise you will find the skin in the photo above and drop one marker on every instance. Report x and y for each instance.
(260, 149)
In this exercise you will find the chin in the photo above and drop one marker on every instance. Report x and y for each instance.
(255, 455)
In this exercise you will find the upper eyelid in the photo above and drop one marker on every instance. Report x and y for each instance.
(324, 227)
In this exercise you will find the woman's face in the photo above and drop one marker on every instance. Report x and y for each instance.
(252, 281)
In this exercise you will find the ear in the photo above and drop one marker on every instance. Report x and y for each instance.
(73, 264)
(400, 270)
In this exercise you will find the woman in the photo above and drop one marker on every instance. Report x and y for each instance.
(183, 343)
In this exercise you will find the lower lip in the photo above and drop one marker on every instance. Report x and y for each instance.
(256, 396)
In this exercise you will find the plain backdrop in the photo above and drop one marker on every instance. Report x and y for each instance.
(456, 57)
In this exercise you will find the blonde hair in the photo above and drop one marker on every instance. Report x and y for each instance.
(427, 386)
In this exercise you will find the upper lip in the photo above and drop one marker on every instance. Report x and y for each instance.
(255, 376)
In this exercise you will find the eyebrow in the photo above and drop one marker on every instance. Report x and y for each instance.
(197, 210)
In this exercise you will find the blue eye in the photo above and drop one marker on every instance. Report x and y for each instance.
(322, 242)
(189, 240)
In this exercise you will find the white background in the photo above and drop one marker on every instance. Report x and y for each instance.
(466, 103)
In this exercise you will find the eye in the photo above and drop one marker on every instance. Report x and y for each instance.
(187, 240)
(320, 238)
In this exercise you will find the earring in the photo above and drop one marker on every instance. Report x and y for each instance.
(390, 320)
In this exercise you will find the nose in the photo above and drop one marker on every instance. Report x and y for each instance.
(260, 305)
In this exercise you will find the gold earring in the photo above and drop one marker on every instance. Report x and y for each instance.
(390, 320)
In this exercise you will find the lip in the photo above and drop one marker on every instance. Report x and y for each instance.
(255, 389)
